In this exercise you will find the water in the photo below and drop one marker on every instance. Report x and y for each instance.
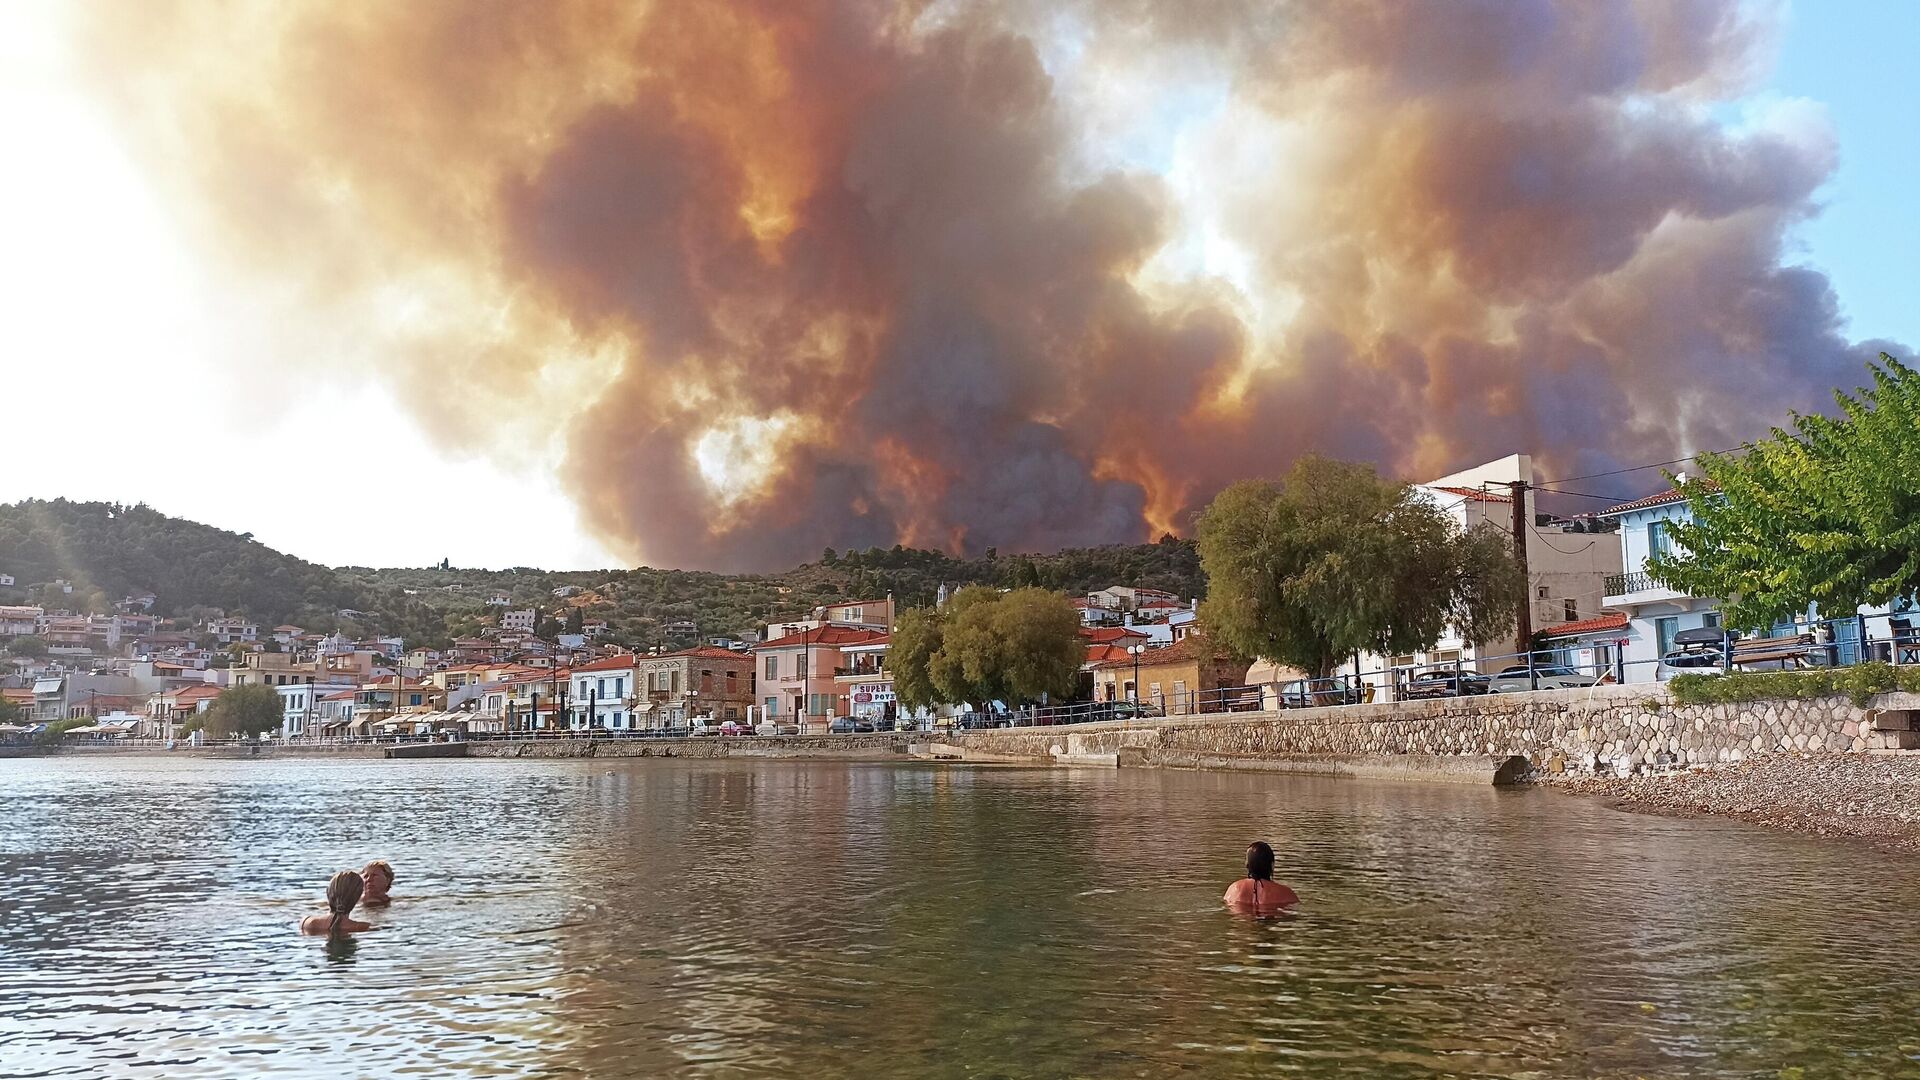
(732, 918)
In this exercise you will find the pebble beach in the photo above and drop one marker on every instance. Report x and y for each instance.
(1872, 796)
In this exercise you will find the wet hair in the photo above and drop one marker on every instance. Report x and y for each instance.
(1260, 861)
(343, 891)
(382, 866)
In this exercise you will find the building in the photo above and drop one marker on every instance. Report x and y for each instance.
(16, 621)
(1184, 677)
(522, 620)
(795, 674)
(869, 614)
(228, 631)
(601, 694)
(6, 581)
(301, 710)
(272, 669)
(1567, 569)
(674, 688)
(865, 685)
(499, 599)
(62, 695)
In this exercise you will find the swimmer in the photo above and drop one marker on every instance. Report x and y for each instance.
(1258, 891)
(342, 893)
(379, 878)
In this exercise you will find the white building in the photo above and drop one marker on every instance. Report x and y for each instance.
(1567, 570)
(228, 631)
(304, 708)
(519, 620)
(20, 621)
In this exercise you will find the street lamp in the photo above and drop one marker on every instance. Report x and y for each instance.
(1136, 649)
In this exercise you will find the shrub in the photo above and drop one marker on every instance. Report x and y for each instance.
(1860, 683)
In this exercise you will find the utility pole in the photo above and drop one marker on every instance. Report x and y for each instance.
(1520, 527)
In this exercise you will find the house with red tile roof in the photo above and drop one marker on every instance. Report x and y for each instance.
(794, 674)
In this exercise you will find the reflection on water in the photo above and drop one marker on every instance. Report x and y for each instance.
(783, 919)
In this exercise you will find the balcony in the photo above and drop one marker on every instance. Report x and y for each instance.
(1619, 586)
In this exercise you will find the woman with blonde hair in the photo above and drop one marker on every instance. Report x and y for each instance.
(343, 892)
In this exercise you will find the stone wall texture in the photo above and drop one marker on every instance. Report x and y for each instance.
(1608, 728)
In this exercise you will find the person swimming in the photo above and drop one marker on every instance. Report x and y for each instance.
(1258, 891)
(379, 878)
(343, 892)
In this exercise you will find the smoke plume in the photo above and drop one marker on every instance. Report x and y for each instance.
(783, 274)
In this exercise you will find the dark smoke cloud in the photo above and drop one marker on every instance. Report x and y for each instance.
(788, 275)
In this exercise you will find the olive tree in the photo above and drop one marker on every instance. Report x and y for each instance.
(1335, 559)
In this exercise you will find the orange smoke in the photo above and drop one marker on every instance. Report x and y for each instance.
(783, 275)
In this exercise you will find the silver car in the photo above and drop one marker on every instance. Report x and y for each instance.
(1515, 679)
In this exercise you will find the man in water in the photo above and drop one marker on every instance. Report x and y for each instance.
(379, 878)
(1258, 892)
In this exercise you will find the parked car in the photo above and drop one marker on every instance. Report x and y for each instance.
(1543, 677)
(1446, 682)
(976, 721)
(842, 725)
(1308, 693)
(768, 727)
(701, 727)
(729, 727)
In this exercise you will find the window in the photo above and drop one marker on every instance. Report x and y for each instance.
(1179, 692)
(1154, 689)
(731, 675)
(773, 707)
(773, 667)
(1572, 609)
(1663, 630)
(1711, 618)
(1659, 540)
(602, 688)
(1541, 592)
(620, 687)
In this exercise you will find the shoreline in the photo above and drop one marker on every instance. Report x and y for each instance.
(1865, 796)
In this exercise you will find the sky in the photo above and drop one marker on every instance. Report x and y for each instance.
(142, 370)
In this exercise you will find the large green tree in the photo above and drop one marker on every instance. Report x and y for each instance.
(244, 710)
(1827, 514)
(986, 646)
(27, 645)
(1336, 559)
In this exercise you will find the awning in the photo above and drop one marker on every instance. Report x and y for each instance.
(46, 686)
(359, 723)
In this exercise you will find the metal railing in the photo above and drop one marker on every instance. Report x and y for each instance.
(1637, 581)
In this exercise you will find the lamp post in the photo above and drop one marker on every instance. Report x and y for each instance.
(1136, 649)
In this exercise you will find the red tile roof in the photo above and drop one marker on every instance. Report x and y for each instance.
(823, 635)
(1187, 648)
(1103, 635)
(1475, 494)
(1672, 495)
(1102, 654)
(1595, 625)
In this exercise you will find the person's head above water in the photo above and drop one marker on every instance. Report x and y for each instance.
(379, 878)
(1260, 861)
(343, 892)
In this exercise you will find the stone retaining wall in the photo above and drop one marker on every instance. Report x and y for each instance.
(1608, 728)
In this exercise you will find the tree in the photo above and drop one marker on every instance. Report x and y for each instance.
(1335, 559)
(1826, 514)
(244, 711)
(28, 646)
(10, 712)
(575, 621)
(915, 639)
(987, 646)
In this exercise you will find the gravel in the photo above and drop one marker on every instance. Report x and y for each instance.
(1872, 796)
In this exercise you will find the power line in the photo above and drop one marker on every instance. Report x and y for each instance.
(1643, 468)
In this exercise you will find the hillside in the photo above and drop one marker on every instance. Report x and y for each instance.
(108, 551)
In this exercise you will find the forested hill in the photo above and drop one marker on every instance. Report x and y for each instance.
(109, 551)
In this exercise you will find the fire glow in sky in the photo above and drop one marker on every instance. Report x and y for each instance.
(784, 275)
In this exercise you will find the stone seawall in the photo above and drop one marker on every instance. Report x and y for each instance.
(1606, 729)
(889, 747)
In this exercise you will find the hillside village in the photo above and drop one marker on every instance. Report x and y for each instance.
(556, 665)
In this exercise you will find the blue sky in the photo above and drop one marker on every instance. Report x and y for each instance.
(1856, 57)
